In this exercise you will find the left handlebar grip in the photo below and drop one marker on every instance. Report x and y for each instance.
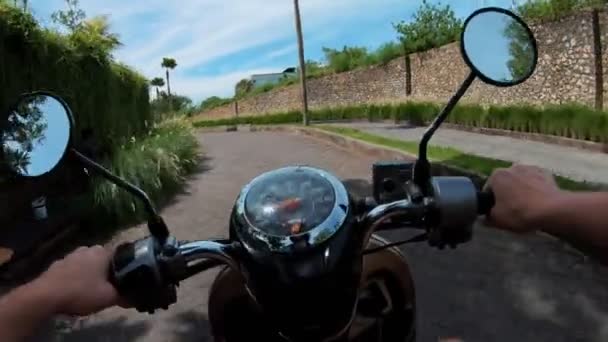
(136, 274)
(485, 202)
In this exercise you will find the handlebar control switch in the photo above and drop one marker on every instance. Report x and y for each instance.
(455, 211)
(137, 275)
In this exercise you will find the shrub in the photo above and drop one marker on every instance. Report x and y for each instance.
(387, 52)
(417, 113)
(157, 163)
(574, 121)
(466, 114)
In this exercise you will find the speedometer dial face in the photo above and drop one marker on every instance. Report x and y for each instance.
(289, 202)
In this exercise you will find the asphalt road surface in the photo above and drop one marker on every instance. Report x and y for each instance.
(499, 287)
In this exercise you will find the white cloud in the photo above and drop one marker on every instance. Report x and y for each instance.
(197, 33)
(282, 51)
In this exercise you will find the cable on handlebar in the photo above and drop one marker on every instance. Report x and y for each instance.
(417, 238)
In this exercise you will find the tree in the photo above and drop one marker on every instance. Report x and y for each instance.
(157, 82)
(521, 51)
(72, 17)
(432, 26)
(298, 23)
(243, 87)
(168, 63)
(24, 128)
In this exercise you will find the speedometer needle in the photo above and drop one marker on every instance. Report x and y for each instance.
(290, 204)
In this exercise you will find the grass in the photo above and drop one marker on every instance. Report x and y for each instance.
(157, 163)
(568, 120)
(447, 156)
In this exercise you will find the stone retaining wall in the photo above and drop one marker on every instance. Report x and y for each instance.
(566, 72)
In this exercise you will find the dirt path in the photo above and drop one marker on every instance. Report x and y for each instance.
(497, 288)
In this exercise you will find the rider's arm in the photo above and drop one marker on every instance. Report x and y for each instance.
(528, 199)
(580, 216)
(76, 285)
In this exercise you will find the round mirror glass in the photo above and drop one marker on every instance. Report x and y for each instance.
(499, 47)
(36, 135)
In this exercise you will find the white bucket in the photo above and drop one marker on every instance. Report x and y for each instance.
(39, 207)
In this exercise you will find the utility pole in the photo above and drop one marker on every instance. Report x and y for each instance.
(296, 6)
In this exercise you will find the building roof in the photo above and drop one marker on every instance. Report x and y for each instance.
(289, 70)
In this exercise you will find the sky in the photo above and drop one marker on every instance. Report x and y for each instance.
(216, 43)
(488, 47)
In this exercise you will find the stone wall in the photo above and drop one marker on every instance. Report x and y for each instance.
(566, 72)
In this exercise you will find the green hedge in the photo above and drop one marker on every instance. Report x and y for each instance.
(570, 120)
(104, 95)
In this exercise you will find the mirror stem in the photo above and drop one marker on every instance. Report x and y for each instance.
(422, 168)
(157, 226)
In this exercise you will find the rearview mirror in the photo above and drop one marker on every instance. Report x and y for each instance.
(36, 134)
(499, 47)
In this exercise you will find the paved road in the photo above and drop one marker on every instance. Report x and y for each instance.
(496, 288)
(567, 161)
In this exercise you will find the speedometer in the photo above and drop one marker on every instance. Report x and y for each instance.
(289, 202)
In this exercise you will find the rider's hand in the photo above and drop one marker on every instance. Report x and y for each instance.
(521, 193)
(79, 284)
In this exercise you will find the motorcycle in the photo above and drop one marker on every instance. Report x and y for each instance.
(302, 261)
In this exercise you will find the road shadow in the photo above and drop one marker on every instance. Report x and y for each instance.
(190, 326)
(115, 330)
(506, 287)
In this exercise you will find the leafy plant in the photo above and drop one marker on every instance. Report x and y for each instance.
(571, 120)
(72, 17)
(242, 88)
(387, 52)
(432, 26)
(347, 59)
(156, 162)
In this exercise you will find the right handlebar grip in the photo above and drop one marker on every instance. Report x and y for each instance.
(485, 202)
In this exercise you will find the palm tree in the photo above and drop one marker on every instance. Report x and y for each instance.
(296, 6)
(168, 63)
(157, 82)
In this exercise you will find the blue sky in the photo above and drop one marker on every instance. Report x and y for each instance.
(218, 42)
